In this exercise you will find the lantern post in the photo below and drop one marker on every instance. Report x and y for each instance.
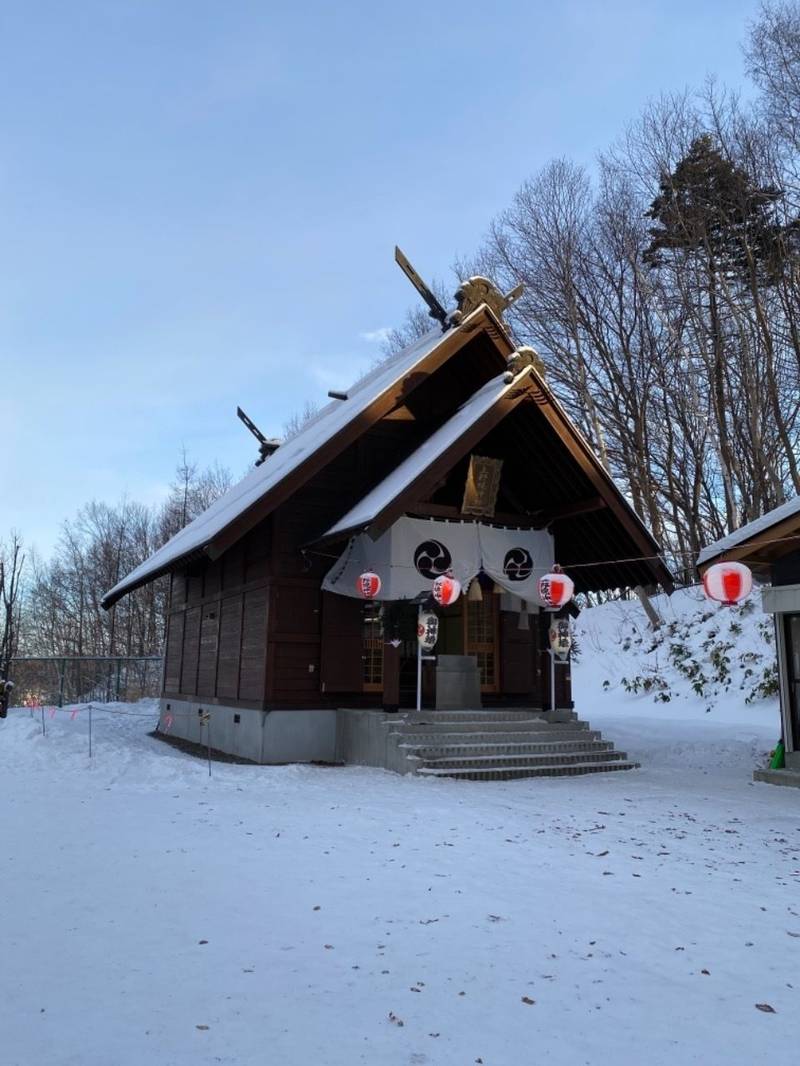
(555, 591)
(427, 635)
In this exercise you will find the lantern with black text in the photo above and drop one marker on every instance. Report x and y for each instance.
(427, 630)
(555, 590)
(368, 585)
(560, 638)
(446, 589)
(727, 583)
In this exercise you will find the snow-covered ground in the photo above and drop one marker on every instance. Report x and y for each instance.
(308, 915)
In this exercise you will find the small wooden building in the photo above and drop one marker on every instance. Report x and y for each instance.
(770, 546)
(453, 453)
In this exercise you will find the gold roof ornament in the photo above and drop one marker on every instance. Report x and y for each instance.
(522, 357)
(471, 294)
(478, 290)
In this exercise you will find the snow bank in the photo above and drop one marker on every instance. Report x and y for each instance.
(689, 695)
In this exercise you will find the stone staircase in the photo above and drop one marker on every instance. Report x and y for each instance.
(497, 745)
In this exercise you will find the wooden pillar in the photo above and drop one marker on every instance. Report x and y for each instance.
(543, 658)
(391, 676)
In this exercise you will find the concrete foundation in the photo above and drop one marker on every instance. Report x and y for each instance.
(261, 736)
(370, 738)
(778, 777)
(356, 737)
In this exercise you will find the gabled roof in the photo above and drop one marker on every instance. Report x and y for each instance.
(299, 458)
(450, 435)
(760, 539)
(635, 555)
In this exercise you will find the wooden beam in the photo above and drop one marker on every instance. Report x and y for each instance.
(503, 518)
(399, 414)
(570, 510)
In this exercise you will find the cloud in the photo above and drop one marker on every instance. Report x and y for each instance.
(376, 336)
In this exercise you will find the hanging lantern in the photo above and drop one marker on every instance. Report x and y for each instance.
(368, 585)
(427, 630)
(475, 595)
(446, 589)
(560, 637)
(727, 583)
(556, 589)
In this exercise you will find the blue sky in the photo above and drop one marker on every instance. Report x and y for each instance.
(199, 200)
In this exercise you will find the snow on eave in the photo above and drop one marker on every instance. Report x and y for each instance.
(318, 431)
(740, 536)
(378, 499)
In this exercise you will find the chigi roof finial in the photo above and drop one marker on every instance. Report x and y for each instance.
(435, 309)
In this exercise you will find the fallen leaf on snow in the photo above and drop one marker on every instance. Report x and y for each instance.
(528, 1000)
(767, 1009)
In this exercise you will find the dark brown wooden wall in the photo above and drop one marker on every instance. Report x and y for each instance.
(217, 626)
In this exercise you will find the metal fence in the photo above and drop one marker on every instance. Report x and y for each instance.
(53, 680)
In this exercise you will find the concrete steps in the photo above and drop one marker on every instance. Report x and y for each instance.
(494, 725)
(482, 762)
(505, 773)
(478, 736)
(501, 745)
(539, 747)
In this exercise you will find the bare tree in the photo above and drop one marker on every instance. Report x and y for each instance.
(12, 563)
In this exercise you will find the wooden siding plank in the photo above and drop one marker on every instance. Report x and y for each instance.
(230, 635)
(191, 650)
(253, 645)
(174, 653)
(207, 659)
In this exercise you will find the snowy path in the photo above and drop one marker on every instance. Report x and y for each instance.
(334, 900)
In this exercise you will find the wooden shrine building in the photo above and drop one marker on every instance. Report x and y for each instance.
(452, 454)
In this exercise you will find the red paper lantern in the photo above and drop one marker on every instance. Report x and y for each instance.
(446, 590)
(555, 590)
(368, 585)
(727, 583)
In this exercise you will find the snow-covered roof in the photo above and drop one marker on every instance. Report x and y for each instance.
(752, 529)
(322, 428)
(428, 452)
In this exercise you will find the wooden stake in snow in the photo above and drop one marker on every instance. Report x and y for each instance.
(205, 718)
(649, 609)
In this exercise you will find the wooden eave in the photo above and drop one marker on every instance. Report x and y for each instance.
(761, 549)
(580, 450)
